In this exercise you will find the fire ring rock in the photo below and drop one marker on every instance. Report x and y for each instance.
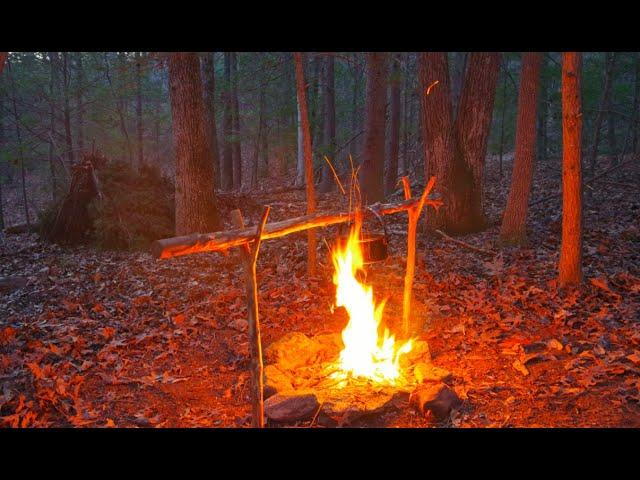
(283, 407)
(437, 398)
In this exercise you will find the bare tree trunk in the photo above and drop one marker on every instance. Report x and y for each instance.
(3, 56)
(355, 124)
(372, 166)
(79, 101)
(16, 119)
(391, 174)
(404, 168)
(67, 114)
(611, 118)
(502, 110)
(196, 209)
(208, 68)
(258, 144)
(570, 264)
(139, 124)
(455, 151)
(327, 182)
(53, 57)
(237, 150)
(437, 121)
(543, 114)
(306, 132)
(227, 153)
(514, 221)
(606, 91)
(636, 102)
(314, 103)
(119, 107)
(264, 131)
(300, 161)
(472, 126)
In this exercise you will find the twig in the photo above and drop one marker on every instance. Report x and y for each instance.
(465, 245)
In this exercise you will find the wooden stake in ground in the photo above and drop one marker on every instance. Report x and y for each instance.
(414, 215)
(308, 160)
(570, 265)
(250, 255)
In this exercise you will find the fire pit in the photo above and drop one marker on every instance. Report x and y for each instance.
(339, 378)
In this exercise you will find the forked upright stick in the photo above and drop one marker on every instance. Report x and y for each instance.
(250, 255)
(414, 214)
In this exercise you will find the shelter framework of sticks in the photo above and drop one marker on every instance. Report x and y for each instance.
(250, 238)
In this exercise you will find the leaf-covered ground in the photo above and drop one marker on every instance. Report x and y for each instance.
(99, 338)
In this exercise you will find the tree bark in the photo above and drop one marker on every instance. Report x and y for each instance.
(391, 174)
(67, 112)
(208, 70)
(543, 114)
(196, 209)
(472, 126)
(79, 101)
(460, 61)
(16, 119)
(308, 159)
(327, 182)
(455, 151)
(514, 221)
(503, 108)
(139, 123)
(372, 167)
(355, 101)
(53, 57)
(237, 150)
(636, 102)
(439, 138)
(604, 100)
(570, 264)
(227, 152)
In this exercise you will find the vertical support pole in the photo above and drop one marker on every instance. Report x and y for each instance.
(411, 260)
(250, 255)
(414, 215)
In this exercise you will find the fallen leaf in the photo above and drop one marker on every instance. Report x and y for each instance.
(517, 364)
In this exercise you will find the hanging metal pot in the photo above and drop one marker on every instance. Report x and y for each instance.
(374, 245)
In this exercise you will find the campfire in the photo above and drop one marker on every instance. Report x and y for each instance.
(334, 378)
(361, 371)
(366, 353)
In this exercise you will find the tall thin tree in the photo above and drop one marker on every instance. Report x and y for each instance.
(514, 221)
(327, 182)
(570, 264)
(209, 73)
(395, 81)
(227, 152)
(236, 145)
(308, 159)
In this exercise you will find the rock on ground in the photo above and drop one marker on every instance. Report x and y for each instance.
(291, 407)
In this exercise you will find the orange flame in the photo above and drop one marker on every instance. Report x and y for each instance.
(365, 353)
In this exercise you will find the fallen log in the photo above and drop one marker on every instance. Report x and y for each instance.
(211, 242)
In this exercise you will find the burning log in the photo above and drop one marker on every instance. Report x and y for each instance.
(250, 255)
(211, 242)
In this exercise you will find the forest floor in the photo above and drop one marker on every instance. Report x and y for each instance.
(103, 338)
